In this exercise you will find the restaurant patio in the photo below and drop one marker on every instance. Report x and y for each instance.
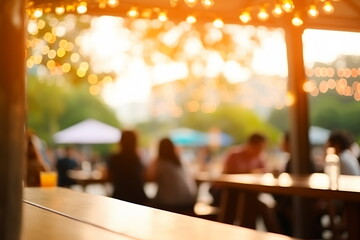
(294, 18)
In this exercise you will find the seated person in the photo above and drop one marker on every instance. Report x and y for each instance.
(341, 141)
(63, 165)
(246, 158)
(176, 187)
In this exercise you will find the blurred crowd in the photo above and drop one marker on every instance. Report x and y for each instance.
(174, 175)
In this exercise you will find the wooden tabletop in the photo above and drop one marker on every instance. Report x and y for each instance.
(125, 219)
(41, 224)
(312, 185)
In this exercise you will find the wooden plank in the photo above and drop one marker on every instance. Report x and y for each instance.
(39, 223)
(137, 221)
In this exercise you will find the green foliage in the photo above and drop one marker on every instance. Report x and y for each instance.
(329, 110)
(232, 119)
(52, 108)
(81, 105)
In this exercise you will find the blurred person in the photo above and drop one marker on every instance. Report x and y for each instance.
(63, 165)
(126, 171)
(342, 141)
(34, 162)
(176, 187)
(247, 158)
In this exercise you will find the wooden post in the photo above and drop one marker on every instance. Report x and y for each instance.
(299, 122)
(12, 115)
(299, 127)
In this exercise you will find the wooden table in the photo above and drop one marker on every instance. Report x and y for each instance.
(76, 215)
(310, 186)
(39, 223)
(85, 178)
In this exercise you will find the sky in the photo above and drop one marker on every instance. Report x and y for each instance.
(113, 48)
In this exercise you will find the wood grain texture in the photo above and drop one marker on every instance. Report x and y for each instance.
(39, 224)
(136, 221)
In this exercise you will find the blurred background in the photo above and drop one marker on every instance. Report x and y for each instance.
(203, 85)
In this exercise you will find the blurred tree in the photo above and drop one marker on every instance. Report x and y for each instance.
(52, 107)
(232, 119)
(330, 109)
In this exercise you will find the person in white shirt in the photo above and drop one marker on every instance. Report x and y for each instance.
(341, 141)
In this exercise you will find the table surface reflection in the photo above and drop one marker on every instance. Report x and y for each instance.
(312, 185)
(131, 220)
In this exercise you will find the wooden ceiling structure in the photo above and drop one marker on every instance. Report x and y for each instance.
(13, 16)
(346, 13)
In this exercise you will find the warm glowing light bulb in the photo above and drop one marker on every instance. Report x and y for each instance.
(207, 3)
(113, 3)
(191, 19)
(81, 8)
(60, 10)
(173, 3)
(70, 8)
(297, 21)
(218, 23)
(313, 12)
(146, 13)
(133, 12)
(162, 16)
(328, 7)
(38, 13)
(277, 11)
(263, 14)
(287, 5)
(245, 17)
(191, 3)
(102, 4)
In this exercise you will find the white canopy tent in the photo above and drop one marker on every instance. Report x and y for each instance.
(89, 131)
(318, 135)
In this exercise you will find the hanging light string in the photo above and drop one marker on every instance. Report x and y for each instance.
(263, 12)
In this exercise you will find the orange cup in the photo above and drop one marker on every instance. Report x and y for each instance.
(48, 179)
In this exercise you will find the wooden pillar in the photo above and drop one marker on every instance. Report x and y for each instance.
(299, 122)
(12, 115)
(299, 127)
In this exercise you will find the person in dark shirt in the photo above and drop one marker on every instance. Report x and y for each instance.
(63, 165)
(126, 171)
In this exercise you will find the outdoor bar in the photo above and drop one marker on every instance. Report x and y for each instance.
(17, 203)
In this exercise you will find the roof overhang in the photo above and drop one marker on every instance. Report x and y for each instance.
(345, 17)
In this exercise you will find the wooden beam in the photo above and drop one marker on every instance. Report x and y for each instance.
(12, 112)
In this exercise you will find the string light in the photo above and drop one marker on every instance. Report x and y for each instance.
(173, 3)
(70, 8)
(133, 12)
(328, 7)
(191, 3)
(112, 3)
(60, 10)
(218, 23)
(297, 21)
(277, 11)
(263, 15)
(288, 5)
(245, 17)
(102, 4)
(207, 3)
(81, 8)
(162, 16)
(38, 13)
(191, 19)
(313, 12)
